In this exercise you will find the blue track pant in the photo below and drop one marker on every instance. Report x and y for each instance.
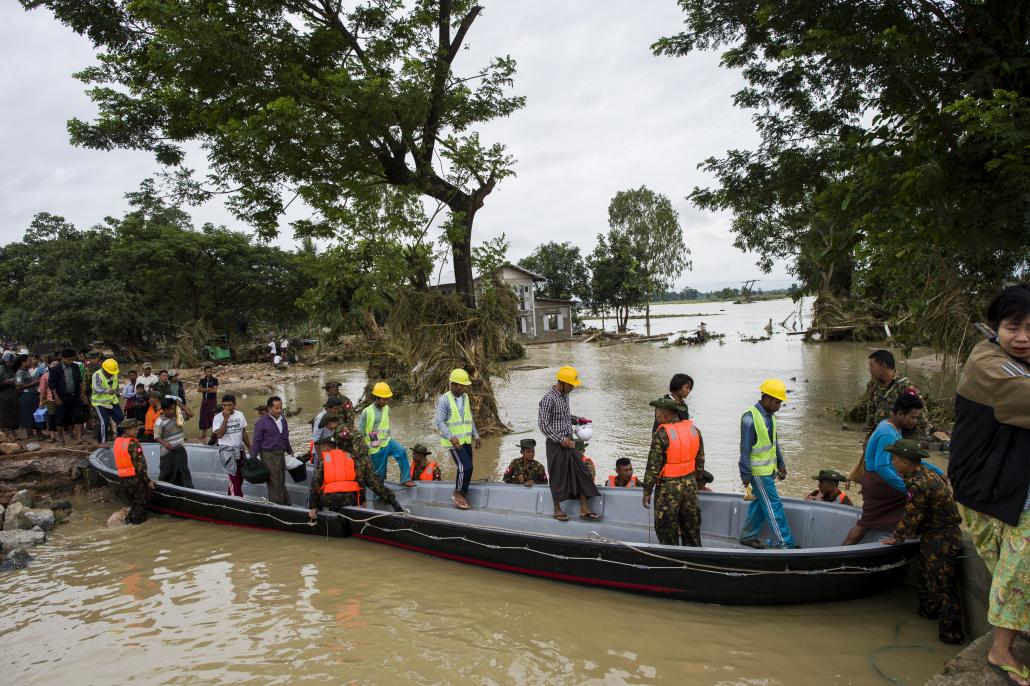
(766, 507)
(104, 414)
(463, 463)
(399, 454)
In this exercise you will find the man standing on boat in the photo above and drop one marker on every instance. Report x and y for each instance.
(375, 428)
(671, 467)
(272, 443)
(568, 475)
(760, 459)
(458, 432)
(343, 474)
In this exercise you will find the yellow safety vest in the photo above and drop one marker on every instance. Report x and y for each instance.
(383, 430)
(109, 397)
(459, 423)
(763, 452)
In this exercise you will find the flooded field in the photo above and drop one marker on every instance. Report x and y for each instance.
(181, 602)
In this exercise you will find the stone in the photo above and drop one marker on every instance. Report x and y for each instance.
(18, 558)
(20, 517)
(10, 448)
(845, 427)
(61, 505)
(118, 518)
(32, 447)
(969, 668)
(23, 497)
(12, 540)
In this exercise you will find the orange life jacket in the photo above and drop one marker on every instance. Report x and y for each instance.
(338, 473)
(614, 477)
(122, 459)
(840, 497)
(426, 474)
(151, 419)
(684, 442)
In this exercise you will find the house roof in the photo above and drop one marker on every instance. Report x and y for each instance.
(558, 301)
(449, 274)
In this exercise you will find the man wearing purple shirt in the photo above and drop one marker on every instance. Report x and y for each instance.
(271, 442)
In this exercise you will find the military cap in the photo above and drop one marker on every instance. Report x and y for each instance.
(329, 417)
(707, 476)
(93, 353)
(527, 443)
(581, 445)
(155, 394)
(335, 401)
(666, 404)
(907, 449)
(420, 449)
(172, 372)
(261, 408)
(830, 475)
(331, 384)
(129, 423)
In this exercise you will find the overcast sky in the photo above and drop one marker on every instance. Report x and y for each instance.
(602, 115)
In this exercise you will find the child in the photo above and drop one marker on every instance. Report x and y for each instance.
(930, 513)
(152, 415)
(828, 490)
(136, 403)
(422, 469)
(132, 471)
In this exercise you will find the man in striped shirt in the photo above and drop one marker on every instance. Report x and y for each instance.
(568, 475)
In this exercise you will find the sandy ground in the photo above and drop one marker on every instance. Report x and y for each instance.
(251, 375)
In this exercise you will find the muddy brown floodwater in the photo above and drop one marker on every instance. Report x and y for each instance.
(181, 602)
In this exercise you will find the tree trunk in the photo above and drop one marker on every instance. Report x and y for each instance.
(461, 251)
(647, 318)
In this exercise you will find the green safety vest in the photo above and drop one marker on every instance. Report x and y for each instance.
(383, 430)
(110, 385)
(458, 423)
(763, 452)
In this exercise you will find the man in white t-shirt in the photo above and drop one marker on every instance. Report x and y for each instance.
(148, 378)
(230, 428)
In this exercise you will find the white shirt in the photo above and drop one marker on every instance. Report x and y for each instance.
(284, 344)
(278, 422)
(278, 359)
(271, 347)
(147, 380)
(234, 434)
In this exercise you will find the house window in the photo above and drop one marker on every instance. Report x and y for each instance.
(524, 325)
(553, 322)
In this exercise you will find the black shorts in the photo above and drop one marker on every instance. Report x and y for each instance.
(69, 412)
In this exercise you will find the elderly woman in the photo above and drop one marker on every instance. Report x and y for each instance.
(990, 469)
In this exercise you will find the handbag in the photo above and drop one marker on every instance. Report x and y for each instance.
(255, 471)
(39, 416)
(298, 470)
(858, 471)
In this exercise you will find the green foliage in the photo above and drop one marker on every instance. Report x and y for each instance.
(616, 282)
(300, 99)
(892, 171)
(652, 226)
(488, 257)
(563, 266)
(141, 277)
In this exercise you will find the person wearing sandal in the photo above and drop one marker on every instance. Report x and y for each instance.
(568, 475)
(458, 432)
(989, 471)
(671, 467)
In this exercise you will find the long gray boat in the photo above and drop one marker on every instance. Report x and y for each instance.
(510, 528)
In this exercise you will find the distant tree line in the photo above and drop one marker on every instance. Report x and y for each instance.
(728, 293)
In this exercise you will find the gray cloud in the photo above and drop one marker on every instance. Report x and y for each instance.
(603, 115)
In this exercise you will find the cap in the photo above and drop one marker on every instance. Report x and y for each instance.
(129, 423)
(328, 417)
(8, 356)
(830, 475)
(420, 449)
(154, 394)
(335, 401)
(666, 404)
(527, 443)
(331, 384)
(581, 445)
(172, 372)
(147, 365)
(261, 408)
(908, 449)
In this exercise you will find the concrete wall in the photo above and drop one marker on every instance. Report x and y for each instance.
(547, 310)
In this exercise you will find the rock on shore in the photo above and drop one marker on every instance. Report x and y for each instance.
(20, 517)
(19, 539)
(969, 668)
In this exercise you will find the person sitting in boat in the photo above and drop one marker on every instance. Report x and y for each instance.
(132, 471)
(422, 468)
(704, 479)
(623, 476)
(525, 469)
(931, 515)
(828, 490)
(581, 446)
(671, 464)
(343, 474)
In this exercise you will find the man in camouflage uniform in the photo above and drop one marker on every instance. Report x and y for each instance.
(525, 470)
(931, 515)
(677, 512)
(365, 475)
(136, 488)
(883, 390)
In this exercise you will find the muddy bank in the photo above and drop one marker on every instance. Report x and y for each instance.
(50, 473)
(256, 376)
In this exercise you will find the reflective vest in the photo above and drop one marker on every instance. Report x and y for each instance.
(763, 452)
(122, 459)
(426, 474)
(338, 472)
(612, 481)
(459, 423)
(382, 431)
(109, 396)
(684, 443)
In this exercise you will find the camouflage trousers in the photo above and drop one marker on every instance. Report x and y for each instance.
(677, 513)
(937, 579)
(338, 501)
(138, 495)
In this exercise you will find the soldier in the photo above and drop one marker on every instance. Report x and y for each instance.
(883, 390)
(581, 446)
(132, 471)
(828, 490)
(670, 473)
(623, 476)
(343, 474)
(422, 468)
(931, 515)
(525, 469)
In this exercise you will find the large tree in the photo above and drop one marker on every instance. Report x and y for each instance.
(301, 99)
(894, 146)
(651, 225)
(617, 283)
(563, 266)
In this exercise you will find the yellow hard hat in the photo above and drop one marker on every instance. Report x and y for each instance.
(775, 388)
(110, 366)
(460, 377)
(382, 390)
(569, 375)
